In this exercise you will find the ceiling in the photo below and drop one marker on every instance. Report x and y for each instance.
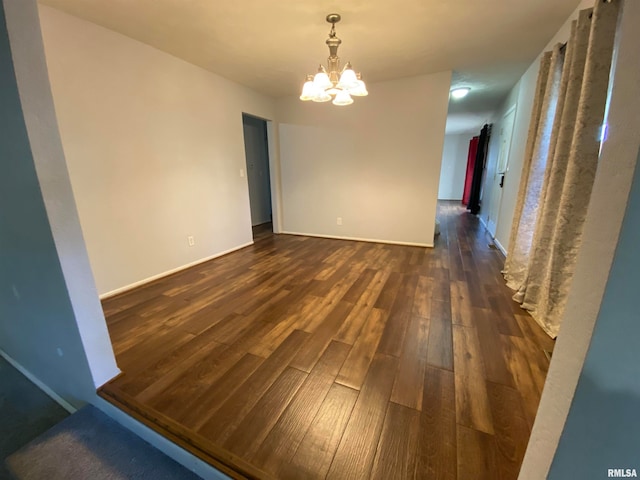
(270, 46)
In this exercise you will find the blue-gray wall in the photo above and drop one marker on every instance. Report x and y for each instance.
(603, 427)
(37, 324)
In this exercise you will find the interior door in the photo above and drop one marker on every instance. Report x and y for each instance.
(501, 170)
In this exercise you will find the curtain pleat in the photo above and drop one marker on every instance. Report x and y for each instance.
(556, 198)
(554, 175)
(517, 252)
(525, 215)
(580, 173)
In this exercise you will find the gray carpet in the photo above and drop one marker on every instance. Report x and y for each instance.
(90, 445)
(25, 412)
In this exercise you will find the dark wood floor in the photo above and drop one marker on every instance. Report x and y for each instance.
(260, 232)
(305, 358)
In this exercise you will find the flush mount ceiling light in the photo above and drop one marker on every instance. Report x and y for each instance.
(334, 84)
(461, 92)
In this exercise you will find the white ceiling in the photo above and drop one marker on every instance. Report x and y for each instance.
(270, 46)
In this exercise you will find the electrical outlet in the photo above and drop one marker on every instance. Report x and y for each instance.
(339, 220)
(191, 240)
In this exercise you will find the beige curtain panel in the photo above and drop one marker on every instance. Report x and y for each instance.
(560, 165)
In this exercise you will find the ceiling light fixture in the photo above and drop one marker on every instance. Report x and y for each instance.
(461, 92)
(333, 83)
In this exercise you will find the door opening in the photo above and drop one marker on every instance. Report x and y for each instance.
(256, 149)
(501, 169)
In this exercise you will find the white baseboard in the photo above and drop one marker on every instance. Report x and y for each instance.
(131, 286)
(500, 247)
(54, 396)
(357, 239)
(495, 240)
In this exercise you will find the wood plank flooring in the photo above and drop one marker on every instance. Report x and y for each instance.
(317, 358)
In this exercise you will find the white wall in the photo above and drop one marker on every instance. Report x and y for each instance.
(375, 163)
(154, 147)
(454, 166)
(51, 323)
(520, 95)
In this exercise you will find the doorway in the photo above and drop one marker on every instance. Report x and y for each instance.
(256, 149)
(502, 167)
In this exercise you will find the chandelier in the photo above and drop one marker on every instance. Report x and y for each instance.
(333, 83)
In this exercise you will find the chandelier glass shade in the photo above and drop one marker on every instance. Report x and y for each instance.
(333, 84)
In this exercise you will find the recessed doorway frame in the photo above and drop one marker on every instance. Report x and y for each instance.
(275, 183)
